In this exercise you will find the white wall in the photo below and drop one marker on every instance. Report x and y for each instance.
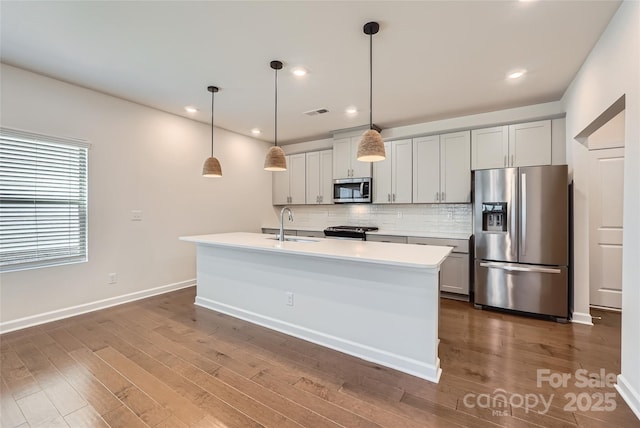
(140, 159)
(611, 70)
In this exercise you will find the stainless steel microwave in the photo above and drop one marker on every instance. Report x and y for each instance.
(349, 190)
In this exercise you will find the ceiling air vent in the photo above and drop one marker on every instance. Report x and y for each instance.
(316, 112)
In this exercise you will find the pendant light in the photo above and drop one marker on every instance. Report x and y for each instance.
(275, 160)
(371, 145)
(212, 166)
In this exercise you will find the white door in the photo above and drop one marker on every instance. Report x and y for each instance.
(342, 158)
(297, 178)
(313, 178)
(426, 169)
(530, 143)
(455, 168)
(382, 178)
(605, 227)
(489, 147)
(401, 176)
(325, 180)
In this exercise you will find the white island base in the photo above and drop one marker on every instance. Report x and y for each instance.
(376, 301)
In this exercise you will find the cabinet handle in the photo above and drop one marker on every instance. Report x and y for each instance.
(513, 160)
(388, 197)
(394, 197)
(443, 198)
(437, 196)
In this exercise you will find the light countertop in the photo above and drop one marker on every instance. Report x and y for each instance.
(403, 255)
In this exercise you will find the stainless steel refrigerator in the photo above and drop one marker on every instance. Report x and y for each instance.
(521, 231)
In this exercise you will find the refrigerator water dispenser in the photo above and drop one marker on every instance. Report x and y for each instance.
(494, 216)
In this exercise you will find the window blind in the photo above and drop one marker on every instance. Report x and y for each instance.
(43, 200)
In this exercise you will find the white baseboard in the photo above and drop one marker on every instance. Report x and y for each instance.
(629, 395)
(72, 311)
(582, 318)
(407, 365)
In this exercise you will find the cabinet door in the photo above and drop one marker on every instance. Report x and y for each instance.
(490, 147)
(297, 179)
(401, 177)
(359, 169)
(313, 177)
(342, 158)
(325, 180)
(280, 191)
(530, 143)
(455, 171)
(426, 169)
(382, 178)
(454, 274)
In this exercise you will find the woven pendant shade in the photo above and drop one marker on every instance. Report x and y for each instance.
(371, 147)
(275, 160)
(212, 168)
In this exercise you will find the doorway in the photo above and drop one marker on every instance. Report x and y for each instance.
(606, 184)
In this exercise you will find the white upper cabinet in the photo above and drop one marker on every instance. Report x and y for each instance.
(441, 168)
(289, 186)
(489, 147)
(392, 177)
(426, 169)
(345, 164)
(455, 168)
(522, 144)
(319, 181)
(530, 143)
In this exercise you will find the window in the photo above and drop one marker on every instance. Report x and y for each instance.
(43, 200)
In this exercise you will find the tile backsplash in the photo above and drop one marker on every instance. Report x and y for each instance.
(396, 218)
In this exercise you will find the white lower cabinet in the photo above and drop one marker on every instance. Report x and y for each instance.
(454, 271)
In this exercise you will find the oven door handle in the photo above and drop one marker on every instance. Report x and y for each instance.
(512, 268)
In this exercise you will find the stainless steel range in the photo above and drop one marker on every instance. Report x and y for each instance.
(358, 233)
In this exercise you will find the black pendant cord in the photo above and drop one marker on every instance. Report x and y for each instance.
(276, 110)
(371, 81)
(212, 98)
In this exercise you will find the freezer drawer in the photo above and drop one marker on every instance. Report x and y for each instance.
(527, 288)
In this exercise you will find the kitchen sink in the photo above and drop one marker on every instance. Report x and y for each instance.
(292, 239)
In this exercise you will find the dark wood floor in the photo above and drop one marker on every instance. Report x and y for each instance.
(162, 362)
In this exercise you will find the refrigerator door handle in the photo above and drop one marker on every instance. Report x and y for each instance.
(512, 268)
(523, 220)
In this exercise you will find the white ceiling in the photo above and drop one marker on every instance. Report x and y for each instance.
(432, 60)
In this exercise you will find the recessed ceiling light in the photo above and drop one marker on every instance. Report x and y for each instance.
(351, 110)
(516, 74)
(256, 131)
(299, 71)
(191, 109)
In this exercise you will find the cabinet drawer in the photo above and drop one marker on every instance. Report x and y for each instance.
(387, 238)
(459, 245)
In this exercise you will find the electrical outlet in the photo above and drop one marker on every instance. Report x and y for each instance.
(136, 215)
(112, 278)
(289, 295)
(399, 214)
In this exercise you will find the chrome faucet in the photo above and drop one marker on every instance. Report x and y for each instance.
(281, 236)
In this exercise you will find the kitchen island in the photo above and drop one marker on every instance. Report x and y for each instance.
(376, 301)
